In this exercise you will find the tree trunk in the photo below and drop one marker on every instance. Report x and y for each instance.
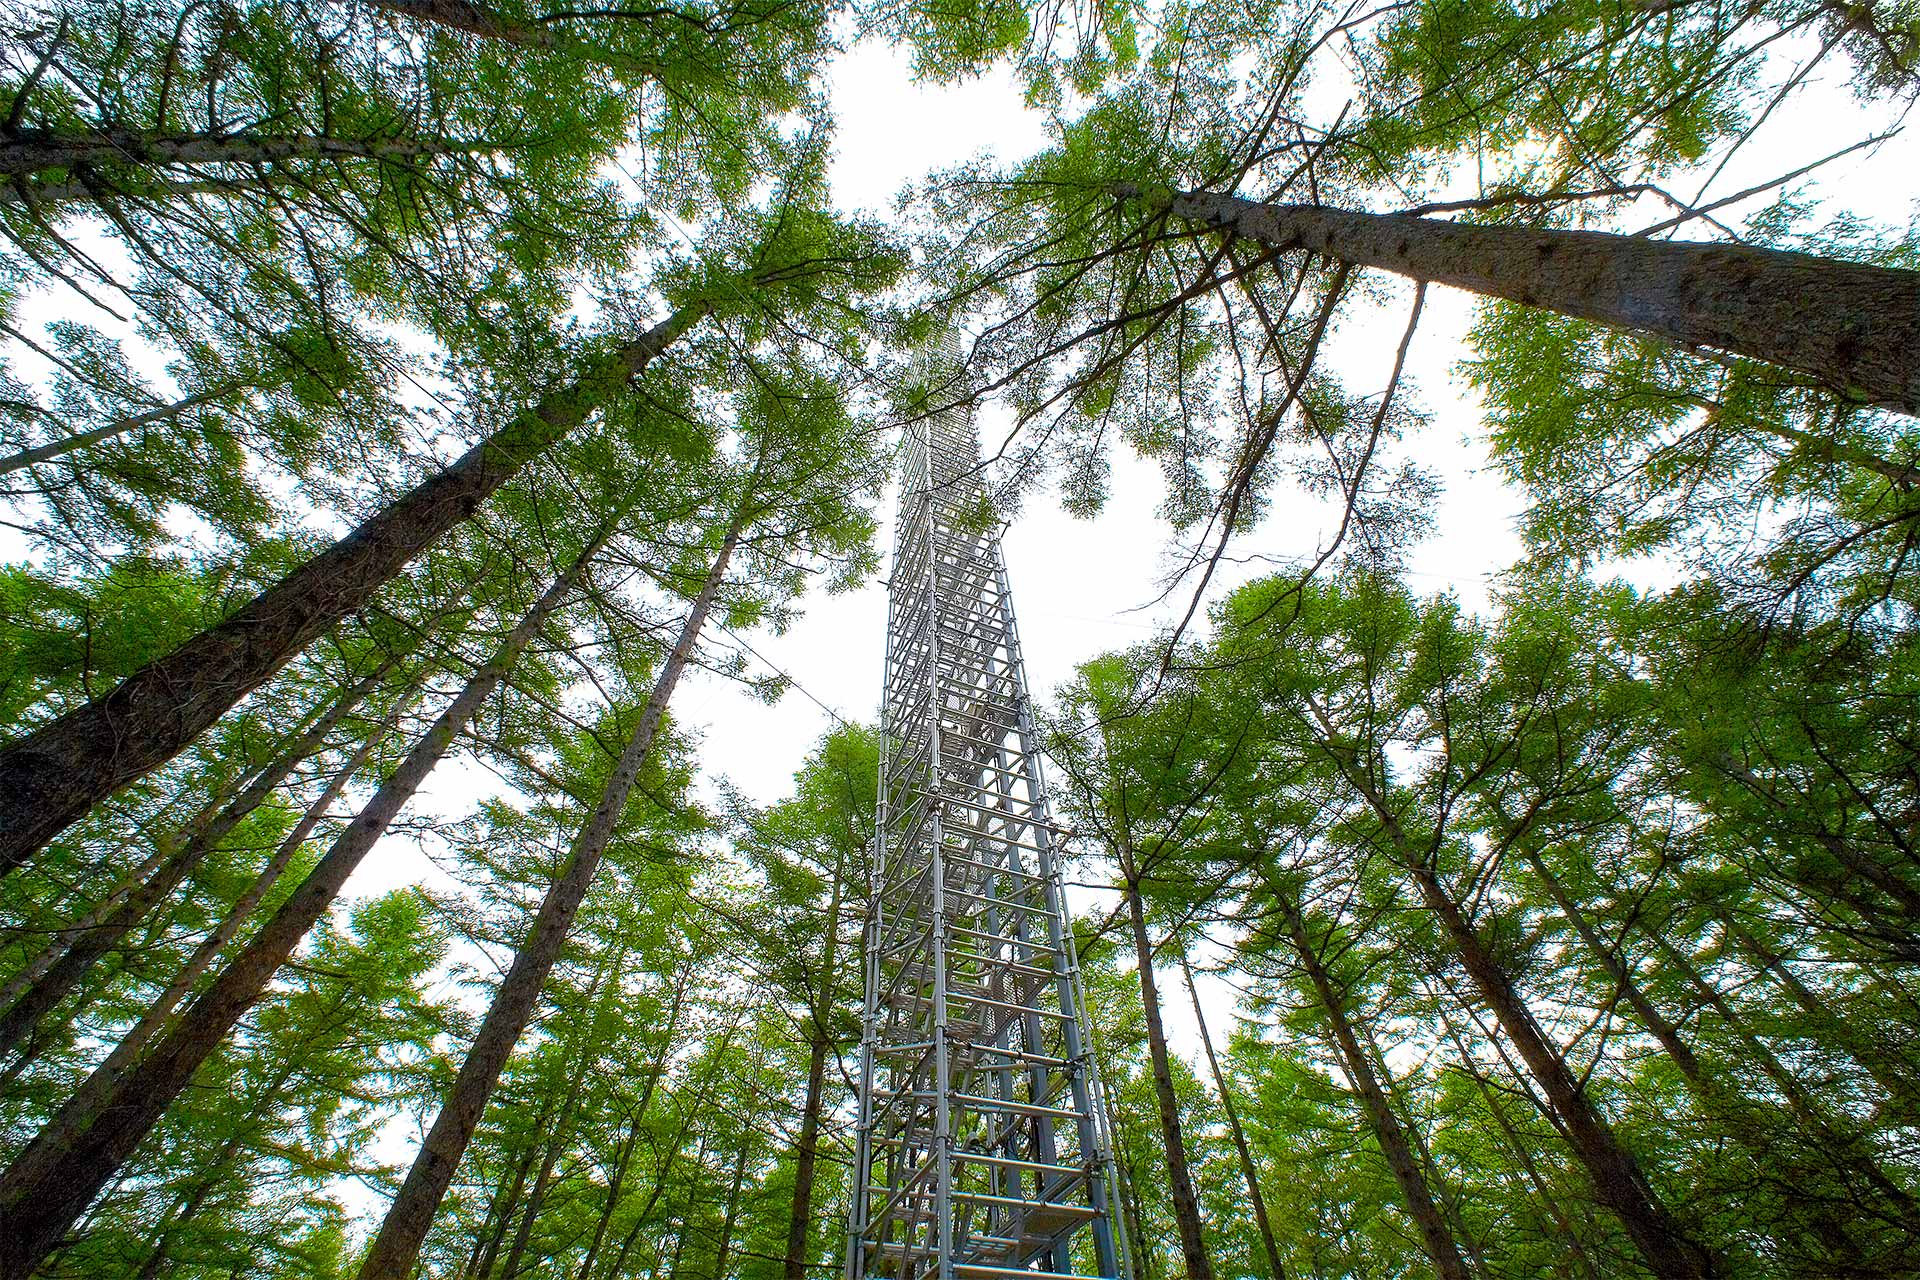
(1885, 1068)
(491, 24)
(1276, 1269)
(154, 1018)
(51, 1183)
(50, 778)
(86, 949)
(1518, 1146)
(1186, 1205)
(807, 1149)
(1854, 327)
(395, 1248)
(119, 426)
(1619, 1182)
(1623, 980)
(569, 1107)
(1618, 1179)
(1435, 1236)
(28, 151)
(730, 1219)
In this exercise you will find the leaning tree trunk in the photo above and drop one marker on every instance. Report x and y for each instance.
(154, 1018)
(105, 934)
(119, 426)
(1186, 1204)
(1435, 1235)
(397, 1245)
(53, 776)
(51, 1183)
(29, 151)
(1851, 326)
(1276, 1269)
(491, 24)
(1618, 1180)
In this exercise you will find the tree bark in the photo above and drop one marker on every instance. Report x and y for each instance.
(491, 24)
(1186, 1204)
(60, 1172)
(1276, 1268)
(119, 426)
(1618, 1180)
(89, 945)
(30, 151)
(50, 778)
(807, 1149)
(397, 1245)
(1854, 327)
(1435, 1236)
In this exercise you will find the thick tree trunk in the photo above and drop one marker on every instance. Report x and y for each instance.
(105, 934)
(78, 1152)
(1186, 1204)
(29, 151)
(1853, 327)
(807, 1149)
(397, 1245)
(50, 778)
(1435, 1236)
(1275, 1268)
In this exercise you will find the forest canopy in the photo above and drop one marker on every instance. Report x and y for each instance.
(412, 410)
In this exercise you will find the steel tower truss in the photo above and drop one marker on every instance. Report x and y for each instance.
(982, 1151)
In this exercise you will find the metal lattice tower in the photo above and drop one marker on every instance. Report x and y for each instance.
(982, 1151)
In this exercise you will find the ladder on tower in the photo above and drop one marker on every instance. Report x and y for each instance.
(982, 1150)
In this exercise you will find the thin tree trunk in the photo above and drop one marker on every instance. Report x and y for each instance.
(119, 426)
(1851, 326)
(730, 1218)
(1623, 980)
(506, 1204)
(1435, 1236)
(569, 1107)
(154, 1018)
(1186, 1205)
(807, 1151)
(50, 778)
(623, 1159)
(1883, 1067)
(28, 151)
(1518, 1146)
(78, 1152)
(397, 1245)
(1276, 1268)
(1618, 1180)
(87, 947)
(1445, 1195)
